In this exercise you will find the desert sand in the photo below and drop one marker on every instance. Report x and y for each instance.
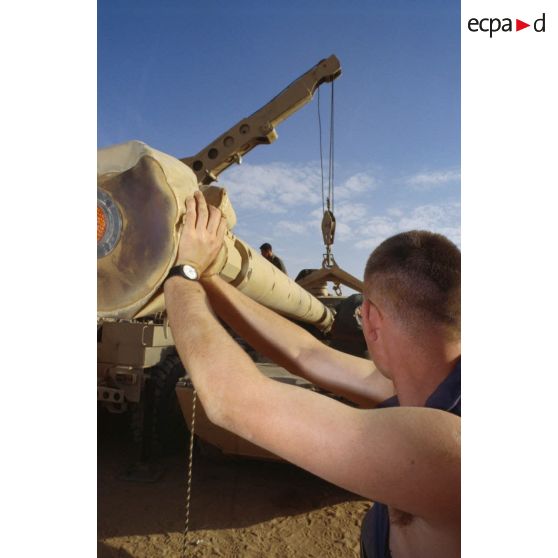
(239, 508)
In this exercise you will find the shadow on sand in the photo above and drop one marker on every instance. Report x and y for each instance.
(105, 551)
(226, 493)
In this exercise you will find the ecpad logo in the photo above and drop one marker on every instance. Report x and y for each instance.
(494, 24)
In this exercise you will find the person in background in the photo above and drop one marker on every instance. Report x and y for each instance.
(267, 252)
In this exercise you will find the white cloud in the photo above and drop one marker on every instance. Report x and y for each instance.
(293, 194)
(349, 212)
(430, 216)
(432, 179)
(355, 184)
(354, 224)
(376, 230)
(382, 226)
(275, 187)
(343, 232)
(291, 227)
(345, 213)
(440, 218)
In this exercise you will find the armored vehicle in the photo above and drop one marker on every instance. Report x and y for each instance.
(141, 195)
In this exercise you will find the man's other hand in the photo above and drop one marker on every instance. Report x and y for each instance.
(202, 234)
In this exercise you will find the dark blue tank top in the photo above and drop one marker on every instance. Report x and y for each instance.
(374, 538)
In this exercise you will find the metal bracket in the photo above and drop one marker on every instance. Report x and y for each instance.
(112, 398)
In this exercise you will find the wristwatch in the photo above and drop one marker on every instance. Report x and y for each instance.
(187, 271)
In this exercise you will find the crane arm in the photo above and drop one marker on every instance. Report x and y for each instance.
(259, 128)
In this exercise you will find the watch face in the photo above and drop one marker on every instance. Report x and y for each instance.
(190, 272)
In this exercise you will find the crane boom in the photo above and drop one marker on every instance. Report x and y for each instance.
(259, 128)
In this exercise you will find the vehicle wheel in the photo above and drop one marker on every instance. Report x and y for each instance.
(163, 424)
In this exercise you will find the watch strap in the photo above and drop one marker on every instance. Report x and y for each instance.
(178, 271)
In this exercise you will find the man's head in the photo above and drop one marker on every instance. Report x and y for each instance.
(266, 250)
(414, 279)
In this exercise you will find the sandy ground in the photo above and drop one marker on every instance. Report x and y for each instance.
(240, 508)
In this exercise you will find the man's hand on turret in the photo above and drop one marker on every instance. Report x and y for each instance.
(202, 234)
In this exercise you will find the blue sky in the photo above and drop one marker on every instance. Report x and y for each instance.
(177, 74)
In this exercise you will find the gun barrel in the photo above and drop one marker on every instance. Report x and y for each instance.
(141, 200)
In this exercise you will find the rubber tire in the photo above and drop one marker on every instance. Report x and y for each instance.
(169, 433)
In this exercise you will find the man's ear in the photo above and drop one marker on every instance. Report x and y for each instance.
(371, 320)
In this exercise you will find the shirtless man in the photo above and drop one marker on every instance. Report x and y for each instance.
(403, 454)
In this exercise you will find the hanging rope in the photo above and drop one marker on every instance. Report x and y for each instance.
(331, 149)
(328, 220)
(321, 150)
(186, 530)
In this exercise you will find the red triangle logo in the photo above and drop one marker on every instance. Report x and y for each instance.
(519, 25)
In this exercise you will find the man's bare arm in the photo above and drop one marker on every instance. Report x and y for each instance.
(297, 350)
(408, 458)
(214, 361)
(288, 344)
